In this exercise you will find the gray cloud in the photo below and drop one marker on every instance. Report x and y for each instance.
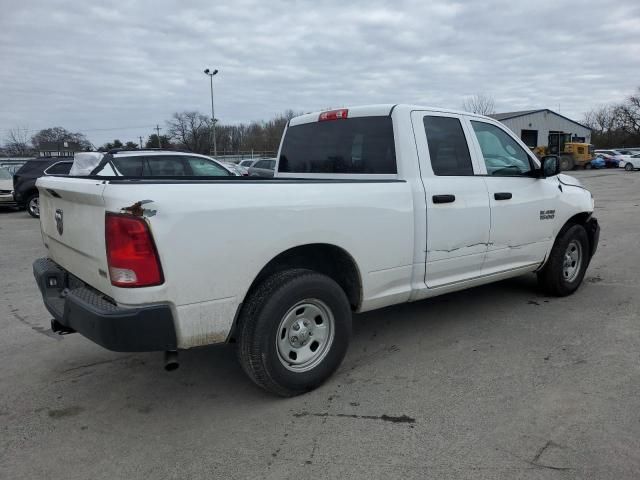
(116, 64)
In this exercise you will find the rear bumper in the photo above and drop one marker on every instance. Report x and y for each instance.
(77, 307)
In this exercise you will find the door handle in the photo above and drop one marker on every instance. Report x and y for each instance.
(443, 198)
(502, 196)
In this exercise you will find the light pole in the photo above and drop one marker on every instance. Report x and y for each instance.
(213, 117)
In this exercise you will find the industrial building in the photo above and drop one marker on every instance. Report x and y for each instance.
(534, 126)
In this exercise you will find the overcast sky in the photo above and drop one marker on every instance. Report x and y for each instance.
(126, 65)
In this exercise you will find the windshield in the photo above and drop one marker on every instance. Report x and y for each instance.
(4, 174)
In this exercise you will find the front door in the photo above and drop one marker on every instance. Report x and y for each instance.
(457, 202)
(522, 206)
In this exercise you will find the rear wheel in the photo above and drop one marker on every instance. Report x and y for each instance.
(567, 263)
(33, 205)
(588, 166)
(628, 167)
(294, 331)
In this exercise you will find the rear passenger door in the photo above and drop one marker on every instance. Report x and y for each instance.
(458, 215)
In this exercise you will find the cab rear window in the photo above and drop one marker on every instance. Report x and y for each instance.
(354, 145)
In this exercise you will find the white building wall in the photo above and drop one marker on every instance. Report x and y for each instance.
(544, 122)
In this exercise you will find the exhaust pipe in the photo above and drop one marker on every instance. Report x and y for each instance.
(171, 360)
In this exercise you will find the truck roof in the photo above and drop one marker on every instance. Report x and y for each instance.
(375, 110)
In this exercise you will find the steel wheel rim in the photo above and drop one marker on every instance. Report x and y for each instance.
(305, 335)
(572, 261)
(34, 205)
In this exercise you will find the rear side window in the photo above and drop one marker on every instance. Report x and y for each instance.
(150, 166)
(61, 168)
(32, 166)
(204, 167)
(353, 145)
(448, 147)
(164, 166)
(129, 167)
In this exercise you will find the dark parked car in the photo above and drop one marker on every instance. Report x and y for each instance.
(24, 180)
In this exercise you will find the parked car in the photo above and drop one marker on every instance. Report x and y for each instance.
(370, 206)
(247, 163)
(611, 159)
(159, 163)
(235, 168)
(598, 162)
(24, 180)
(263, 168)
(6, 189)
(626, 153)
(610, 152)
(631, 162)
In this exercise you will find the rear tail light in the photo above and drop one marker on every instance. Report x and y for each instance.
(333, 115)
(131, 254)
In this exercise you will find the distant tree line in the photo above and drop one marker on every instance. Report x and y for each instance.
(615, 124)
(192, 130)
(19, 143)
(188, 130)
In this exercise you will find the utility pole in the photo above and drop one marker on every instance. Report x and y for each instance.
(158, 130)
(213, 116)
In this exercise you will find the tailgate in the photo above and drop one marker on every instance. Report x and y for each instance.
(72, 221)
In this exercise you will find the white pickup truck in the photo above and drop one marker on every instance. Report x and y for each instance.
(370, 206)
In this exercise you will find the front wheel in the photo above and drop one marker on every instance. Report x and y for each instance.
(33, 205)
(628, 167)
(294, 331)
(566, 163)
(567, 263)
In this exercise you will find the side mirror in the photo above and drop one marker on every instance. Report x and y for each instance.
(550, 166)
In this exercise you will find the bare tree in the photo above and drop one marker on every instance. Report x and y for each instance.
(629, 114)
(17, 141)
(191, 129)
(480, 104)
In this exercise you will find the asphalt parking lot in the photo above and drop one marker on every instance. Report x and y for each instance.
(494, 382)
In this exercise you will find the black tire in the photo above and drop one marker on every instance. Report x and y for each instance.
(553, 276)
(260, 323)
(587, 166)
(566, 163)
(628, 167)
(33, 205)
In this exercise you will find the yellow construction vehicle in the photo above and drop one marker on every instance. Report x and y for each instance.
(572, 154)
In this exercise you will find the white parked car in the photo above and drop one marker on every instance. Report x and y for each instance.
(159, 163)
(631, 162)
(610, 153)
(368, 207)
